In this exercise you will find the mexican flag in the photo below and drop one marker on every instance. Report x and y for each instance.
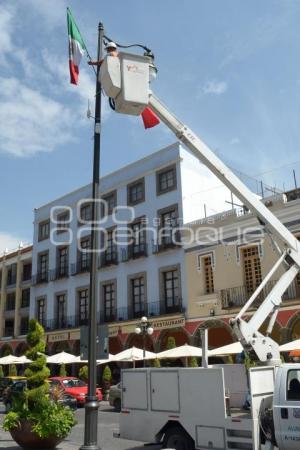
(76, 48)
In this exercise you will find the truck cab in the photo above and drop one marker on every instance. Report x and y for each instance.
(286, 406)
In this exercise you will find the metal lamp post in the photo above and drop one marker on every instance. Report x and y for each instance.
(144, 328)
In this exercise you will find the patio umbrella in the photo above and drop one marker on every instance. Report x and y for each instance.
(62, 358)
(105, 361)
(11, 359)
(184, 351)
(230, 349)
(294, 345)
(132, 354)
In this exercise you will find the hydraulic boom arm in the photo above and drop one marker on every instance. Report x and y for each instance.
(247, 332)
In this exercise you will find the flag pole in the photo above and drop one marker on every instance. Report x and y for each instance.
(92, 404)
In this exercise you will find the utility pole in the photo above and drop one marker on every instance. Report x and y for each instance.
(92, 404)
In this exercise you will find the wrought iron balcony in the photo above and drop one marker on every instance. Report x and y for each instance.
(81, 266)
(64, 322)
(40, 277)
(167, 242)
(108, 258)
(238, 296)
(59, 272)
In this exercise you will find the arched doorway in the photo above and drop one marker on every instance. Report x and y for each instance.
(62, 346)
(180, 336)
(115, 345)
(136, 340)
(219, 334)
(21, 349)
(6, 350)
(293, 327)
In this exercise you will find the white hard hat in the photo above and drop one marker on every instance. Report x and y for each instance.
(111, 45)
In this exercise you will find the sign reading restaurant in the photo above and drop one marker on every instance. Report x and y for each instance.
(157, 324)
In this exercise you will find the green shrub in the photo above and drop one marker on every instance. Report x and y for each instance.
(12, 370)
(106, 376)
(48, 417)
(155, 362)
(62, 370)
(1, 372)
(84, 373)
(193, 362)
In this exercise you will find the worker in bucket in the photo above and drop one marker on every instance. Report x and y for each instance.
(111, 49)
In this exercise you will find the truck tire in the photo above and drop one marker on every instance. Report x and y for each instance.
(177, 439)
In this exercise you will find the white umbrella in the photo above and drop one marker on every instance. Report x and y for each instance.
(105, 361)
(11, 359)
(184, 351)
(62, 358)
(132, 354)
(230, 349)
(294, 345)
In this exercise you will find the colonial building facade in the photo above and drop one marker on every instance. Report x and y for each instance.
(15, 283)
(141, 270)
(226, 259)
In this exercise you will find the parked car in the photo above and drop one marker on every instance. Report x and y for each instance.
(74, 387)
(17, 388)
(5, 382)
(115, 397)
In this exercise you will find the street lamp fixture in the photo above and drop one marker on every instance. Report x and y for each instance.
(144, 329)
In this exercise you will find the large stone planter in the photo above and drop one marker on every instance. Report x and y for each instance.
(28, 440)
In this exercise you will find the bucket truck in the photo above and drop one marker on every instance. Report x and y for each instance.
(202, 408)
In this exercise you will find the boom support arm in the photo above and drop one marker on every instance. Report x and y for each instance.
(247, 332)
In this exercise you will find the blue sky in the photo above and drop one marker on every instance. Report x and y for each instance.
(229, 69)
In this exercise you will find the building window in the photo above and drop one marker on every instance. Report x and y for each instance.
(62, 262)
(208, 275)
(61, 311)
(43, 259)
(171, 290)
(10, 301)
(85, 213)
(83, 300)
(44, 230)
(24, 325)
(84, 255)
(136, 192)
(166, 180)
(252, 268)
(25, 300)
(111, 202)
(111, 248)
(9, 328)
(63, 222)
(41, 311)
(12, 274)
(26, 276)
(138, 296)
(138, 240)
(168, 236)
(109, 297)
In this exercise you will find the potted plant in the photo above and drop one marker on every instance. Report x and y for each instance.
(37, 421)
(84, 373)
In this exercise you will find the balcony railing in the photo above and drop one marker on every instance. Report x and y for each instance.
(59, 272)
(148, 309)
(167, 242)
(133, 251)
(64, 323)
(238, 296)
(81, 266)
(8, 331)
(108, 258)
(40, 277)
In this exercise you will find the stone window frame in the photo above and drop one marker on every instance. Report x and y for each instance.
(161, 271)
(102, 286)
(159, 173)
(41, 236)
(130, 186)
(131, 277)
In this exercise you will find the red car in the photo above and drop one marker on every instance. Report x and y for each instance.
(75, 387)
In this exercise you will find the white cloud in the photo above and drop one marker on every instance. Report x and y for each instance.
(8, 241)
(214, 87)
(6, 29)
(29, 121)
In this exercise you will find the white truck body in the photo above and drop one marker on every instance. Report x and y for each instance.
(207, 403)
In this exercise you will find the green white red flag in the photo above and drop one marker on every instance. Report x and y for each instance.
(76, 48)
